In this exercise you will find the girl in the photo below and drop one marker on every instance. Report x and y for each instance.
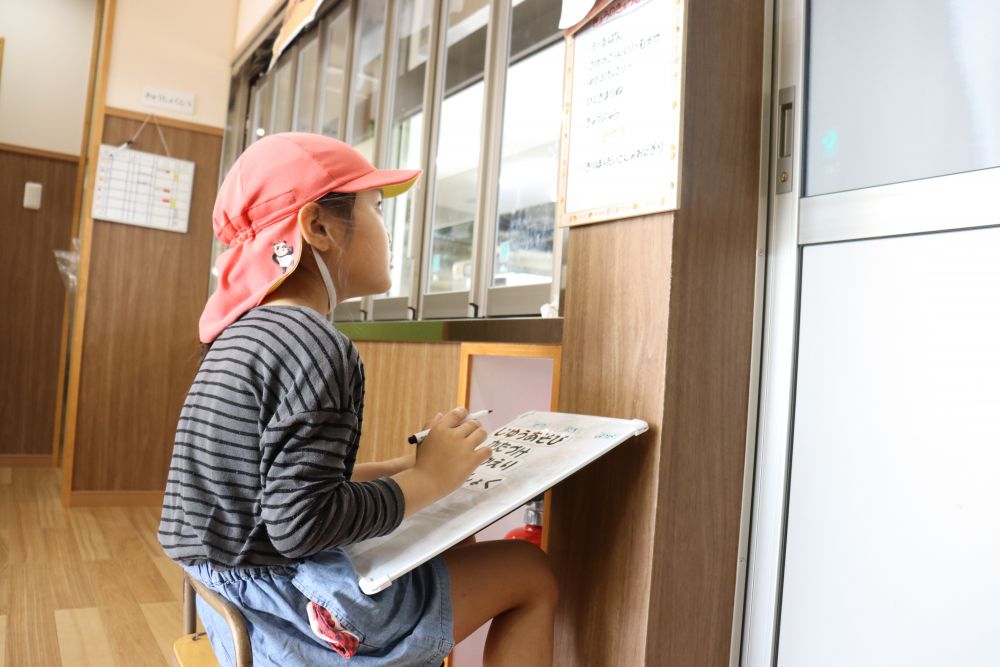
(263, 488)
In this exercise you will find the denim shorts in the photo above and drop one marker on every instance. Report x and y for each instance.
(407, 624)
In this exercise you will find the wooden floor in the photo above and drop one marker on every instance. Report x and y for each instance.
(82, 586)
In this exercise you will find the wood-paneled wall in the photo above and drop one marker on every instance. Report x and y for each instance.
(659, 325)
(146, 290)
(696, 545)
(405, 385)
(32, 298)
(602, 524)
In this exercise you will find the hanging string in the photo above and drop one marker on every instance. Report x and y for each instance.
(159, 131)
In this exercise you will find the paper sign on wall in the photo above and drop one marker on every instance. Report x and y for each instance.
(169, 100)
(143, 189)
(621, 139)
(574, 11)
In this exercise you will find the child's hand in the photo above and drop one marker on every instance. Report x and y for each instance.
(433, 422)
(409, 459)
(448, 454)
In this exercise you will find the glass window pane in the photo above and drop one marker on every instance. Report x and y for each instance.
(283, 92)
(892, 100)
(458, 149)
(262, 106)
(414, 22)
(367, 70)
(337, 43)
(232, 135)
(305, 87)
(529, 169)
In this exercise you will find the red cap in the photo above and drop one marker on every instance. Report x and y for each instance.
(256, 214)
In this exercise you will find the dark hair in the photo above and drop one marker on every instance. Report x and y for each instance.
(341, 206)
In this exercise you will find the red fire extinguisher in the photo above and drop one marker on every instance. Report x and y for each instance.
(532, 529)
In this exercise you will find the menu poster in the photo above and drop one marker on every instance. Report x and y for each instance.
(621, 132)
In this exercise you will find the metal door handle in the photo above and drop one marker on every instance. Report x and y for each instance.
(786, 140)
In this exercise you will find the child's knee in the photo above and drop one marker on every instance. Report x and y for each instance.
(537, 568)
(548, 586)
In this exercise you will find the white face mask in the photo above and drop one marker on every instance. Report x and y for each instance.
(331, 291)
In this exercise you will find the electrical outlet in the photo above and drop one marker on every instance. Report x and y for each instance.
(33, 195)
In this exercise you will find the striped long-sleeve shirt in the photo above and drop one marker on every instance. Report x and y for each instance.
(266, 444)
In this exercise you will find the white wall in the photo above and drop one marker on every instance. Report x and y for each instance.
(181, 45)
(46, 66)
(251, 13)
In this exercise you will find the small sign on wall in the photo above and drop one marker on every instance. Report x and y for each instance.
(143, 189)
(168, 100)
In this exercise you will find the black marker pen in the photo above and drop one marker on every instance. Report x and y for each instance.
(417, 437)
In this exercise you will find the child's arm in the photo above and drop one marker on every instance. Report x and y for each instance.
(365, 472)
(308, 505)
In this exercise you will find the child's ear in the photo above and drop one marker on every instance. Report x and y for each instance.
(314, 230)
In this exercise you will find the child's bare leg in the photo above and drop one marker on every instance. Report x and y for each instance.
(511, 582)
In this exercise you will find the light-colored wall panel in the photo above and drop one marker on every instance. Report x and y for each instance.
(893, 506)
(46, 60)
(183, 45)
(251, 14)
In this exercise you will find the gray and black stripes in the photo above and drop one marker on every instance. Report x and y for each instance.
(266, 445)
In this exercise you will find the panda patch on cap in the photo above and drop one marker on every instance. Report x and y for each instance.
(284, 255)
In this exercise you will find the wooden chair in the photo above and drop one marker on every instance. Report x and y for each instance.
(193, 649)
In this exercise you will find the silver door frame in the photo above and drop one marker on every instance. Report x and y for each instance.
(777, 364)
(753, 400)
(947, 202)
(956, 201)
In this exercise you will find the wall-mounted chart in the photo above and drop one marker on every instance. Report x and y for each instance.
(143, 189)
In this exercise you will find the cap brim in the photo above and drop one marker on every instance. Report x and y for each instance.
(246, 274)
(391, 182)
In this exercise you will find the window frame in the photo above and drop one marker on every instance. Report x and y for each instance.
(464, 303)
(325, 27)
(357, 310)
(300, 49)
(405, 307)
(350, 311)
(515, 300)
(291, 64)
(482, 299)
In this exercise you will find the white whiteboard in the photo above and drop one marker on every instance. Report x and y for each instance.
(530, 454)
(622, 134)
(143, 189)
